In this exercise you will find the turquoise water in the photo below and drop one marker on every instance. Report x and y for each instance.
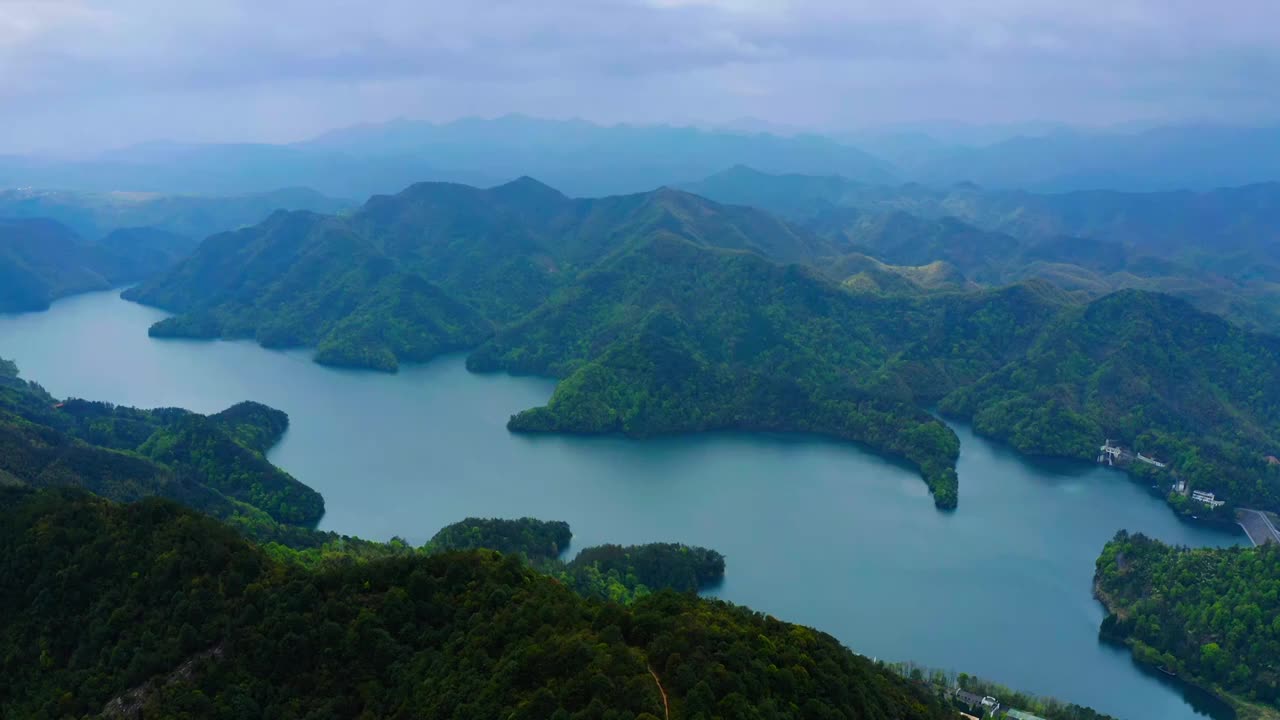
(815, 532)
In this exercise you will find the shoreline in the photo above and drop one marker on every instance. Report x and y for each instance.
(1244, 709)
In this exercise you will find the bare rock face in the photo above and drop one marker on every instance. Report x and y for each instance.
(128, 705)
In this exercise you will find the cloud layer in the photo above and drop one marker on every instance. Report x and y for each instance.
(77, 73)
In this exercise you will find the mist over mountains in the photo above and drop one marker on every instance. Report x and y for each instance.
(586, 159)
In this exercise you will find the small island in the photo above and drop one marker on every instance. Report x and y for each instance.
(606, 572)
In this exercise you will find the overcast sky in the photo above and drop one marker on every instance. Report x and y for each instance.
(90, 73)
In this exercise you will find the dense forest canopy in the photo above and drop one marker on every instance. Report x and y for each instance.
(1211, 615)
(532, 538)
(737, 342)
(153, 606)
(214, 463)
(429, 270)
(626, 573)
(1150, 373)
(606, 572)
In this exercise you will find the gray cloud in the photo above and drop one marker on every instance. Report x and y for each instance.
(97, 72)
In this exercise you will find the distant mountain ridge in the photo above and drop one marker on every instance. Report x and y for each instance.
(1238, 216)
(42, 260)
(590, 159)
(1158, 159)
(58, 243)
(581, 158)
(1219, 248)
(95, 214)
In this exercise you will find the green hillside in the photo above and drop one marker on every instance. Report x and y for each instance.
(41, 261)
(863, 273)
(1209, 615)
(214, 463)
(667, 313)
(59, 243)
(1150, 373)
(150, 606)
(673, 337)
(429, 270)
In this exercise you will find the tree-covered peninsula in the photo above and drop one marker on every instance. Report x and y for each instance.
(214, 463)
(1210, 616)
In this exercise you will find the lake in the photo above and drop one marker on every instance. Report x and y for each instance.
(814, 532)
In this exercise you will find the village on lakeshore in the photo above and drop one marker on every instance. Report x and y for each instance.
(1258, 525)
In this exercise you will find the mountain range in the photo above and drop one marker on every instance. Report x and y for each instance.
(589, 159)
(92, 215)
(665, 312)
(43, 260)
(815, 287)
(1217, 248)
(432, 269)
(58, 243)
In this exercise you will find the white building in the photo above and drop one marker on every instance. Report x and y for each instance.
(1207, 498)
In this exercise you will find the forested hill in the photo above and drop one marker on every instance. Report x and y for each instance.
(1209, 615)
(214, 463)
(54, 243)
(431, 269)
(1217, 249)
(42, 260)
(1151, 373)
(664, 313)
(671, 337)
(152, 608)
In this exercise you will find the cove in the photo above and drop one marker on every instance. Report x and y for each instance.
(815, 532)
